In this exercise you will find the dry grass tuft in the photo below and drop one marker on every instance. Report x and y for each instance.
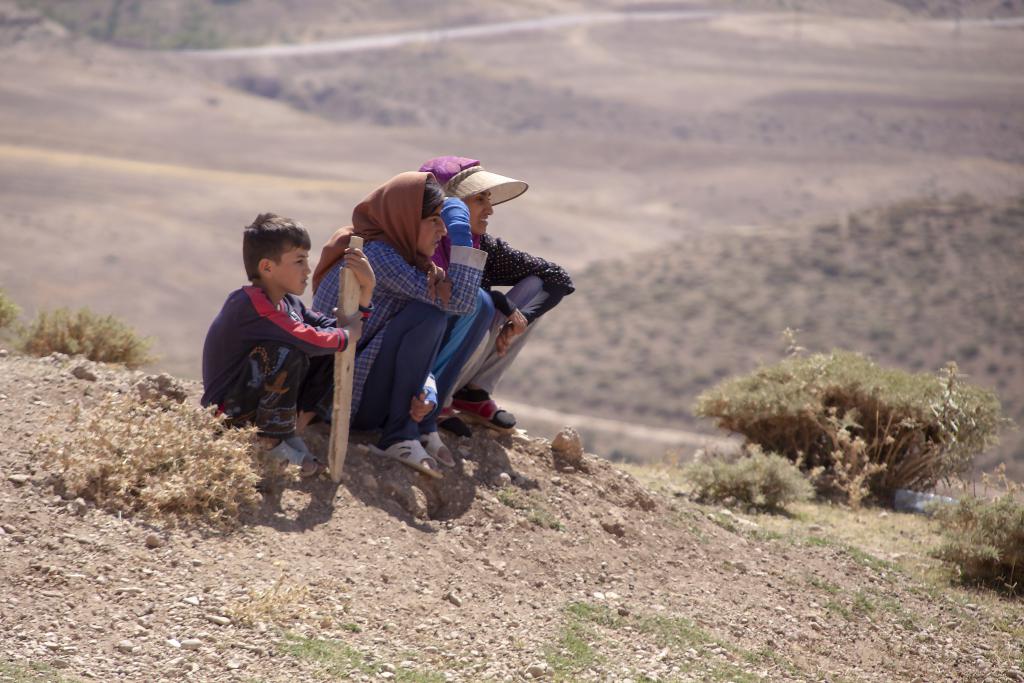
(159, 459)
(282, 604)
(102, 338)
(756, 480)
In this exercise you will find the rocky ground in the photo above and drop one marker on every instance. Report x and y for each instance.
(522, 563)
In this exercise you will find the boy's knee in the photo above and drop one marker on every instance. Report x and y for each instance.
(273, 357)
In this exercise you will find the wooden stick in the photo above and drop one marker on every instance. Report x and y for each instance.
(344, 364)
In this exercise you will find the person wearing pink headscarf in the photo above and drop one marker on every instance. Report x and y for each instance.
(537, 286)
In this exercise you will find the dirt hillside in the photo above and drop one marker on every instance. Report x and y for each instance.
(558, 572)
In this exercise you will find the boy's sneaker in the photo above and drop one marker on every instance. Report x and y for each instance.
(476, 405)
(309, 465)
(294, 451)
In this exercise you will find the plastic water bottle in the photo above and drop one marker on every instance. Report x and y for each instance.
(919, 503)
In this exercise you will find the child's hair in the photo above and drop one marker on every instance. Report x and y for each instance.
(269, 236)
(433, 196)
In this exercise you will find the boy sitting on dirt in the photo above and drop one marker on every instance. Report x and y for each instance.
(267, 359)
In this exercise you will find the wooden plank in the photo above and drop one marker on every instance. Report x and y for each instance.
(344, 364)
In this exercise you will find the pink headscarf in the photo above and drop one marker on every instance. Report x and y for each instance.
(444, 169)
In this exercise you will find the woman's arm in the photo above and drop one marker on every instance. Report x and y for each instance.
(398, 278)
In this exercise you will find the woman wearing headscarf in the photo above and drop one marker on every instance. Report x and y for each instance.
(393, 390)
(537, 286)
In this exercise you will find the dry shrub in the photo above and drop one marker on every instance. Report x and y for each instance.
(756, 479)
(9, 311)
(102, 338)
(984, 538)
(281, 604)
(870, 429)
(159, 459)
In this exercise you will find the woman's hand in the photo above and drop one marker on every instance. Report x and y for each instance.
(513, 327)
(420, 407)
(439, 286)
(356, 261)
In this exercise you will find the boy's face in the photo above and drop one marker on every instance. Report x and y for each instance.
(289, 274)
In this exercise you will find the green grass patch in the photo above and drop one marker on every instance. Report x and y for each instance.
(824, 584)
(840, 609)
(535, 511)
(340, 660)
(36, 672)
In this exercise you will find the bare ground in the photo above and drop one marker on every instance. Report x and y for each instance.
(568, 573)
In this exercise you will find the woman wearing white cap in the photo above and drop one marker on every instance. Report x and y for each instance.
(537, 286)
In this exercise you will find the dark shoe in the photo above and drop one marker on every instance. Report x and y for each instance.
(454, 425)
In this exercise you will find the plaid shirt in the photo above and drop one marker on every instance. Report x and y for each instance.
(398, 283)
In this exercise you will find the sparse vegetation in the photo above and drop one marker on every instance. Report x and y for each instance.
(535, 511)
(337, 659)
(9, 311)
(161, 459)
(756, 480)
(102, 338)
(985, 538)
(912, 285)
(869, 429)
(281, 604)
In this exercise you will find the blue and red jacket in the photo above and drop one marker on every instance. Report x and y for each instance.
(248, 318)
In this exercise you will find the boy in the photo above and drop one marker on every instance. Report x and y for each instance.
(267, 359)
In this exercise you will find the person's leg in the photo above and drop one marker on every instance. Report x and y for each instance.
(265, 394)
(316, 395)
(464, 336)
(490, 367)
(411, 341)
(266, 391)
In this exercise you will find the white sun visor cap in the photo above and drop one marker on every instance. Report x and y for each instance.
(475, 180)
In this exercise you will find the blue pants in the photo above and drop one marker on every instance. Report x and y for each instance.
(411, 342)
(462, 336)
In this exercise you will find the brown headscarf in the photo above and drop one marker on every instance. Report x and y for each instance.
(392, 214)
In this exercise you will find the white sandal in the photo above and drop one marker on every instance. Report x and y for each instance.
(410, 453)
(436, 448)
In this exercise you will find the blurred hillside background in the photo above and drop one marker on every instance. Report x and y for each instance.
(712, 173)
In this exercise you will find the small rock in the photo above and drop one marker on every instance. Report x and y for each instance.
(192, 600)
(623, 611)
(218, 619)
(126, 646)
(161, 387)
(389, 668)
(536, 670)
(18, 479)
(4, 353)
(453, 598)
(614, 524)
(568, 446)
(78, 507)
(191, 644)
(174, 642)
(153, 540)
(233, 665)
(84, 372)
(503, 479)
